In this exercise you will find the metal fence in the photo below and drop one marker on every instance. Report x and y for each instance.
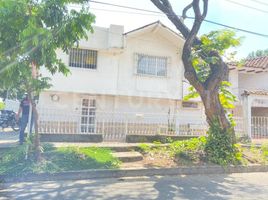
(259, 127)
(115, 126)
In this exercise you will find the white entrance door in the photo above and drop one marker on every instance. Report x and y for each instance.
(88, 115)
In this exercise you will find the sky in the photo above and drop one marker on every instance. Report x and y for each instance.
(222, 11)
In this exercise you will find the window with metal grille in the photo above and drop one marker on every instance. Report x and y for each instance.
(83, 58)
(151, 65)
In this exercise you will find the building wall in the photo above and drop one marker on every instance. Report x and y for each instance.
(253, 81)
(233, 79)
(115, 73)
(71, 103)
(132, 84)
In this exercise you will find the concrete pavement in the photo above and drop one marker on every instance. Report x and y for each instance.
(207, 187)
(8, 138)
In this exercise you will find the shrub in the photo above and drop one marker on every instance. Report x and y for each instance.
(145, 148)
(264, 151)
(191, 150)
(220, 147)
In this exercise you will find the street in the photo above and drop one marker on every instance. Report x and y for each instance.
(207, 187)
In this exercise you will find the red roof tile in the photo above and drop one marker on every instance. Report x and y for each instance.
(257, 65)
(261, 62)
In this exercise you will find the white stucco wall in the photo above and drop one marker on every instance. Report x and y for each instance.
(253, 81)
(233, 79)
(115, 73)
(132, 84)
(71, 102)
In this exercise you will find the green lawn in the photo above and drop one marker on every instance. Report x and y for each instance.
(13, 161)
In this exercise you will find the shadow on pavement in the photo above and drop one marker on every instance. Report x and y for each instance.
(162, 188)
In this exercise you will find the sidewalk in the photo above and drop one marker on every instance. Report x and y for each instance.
(8, 139)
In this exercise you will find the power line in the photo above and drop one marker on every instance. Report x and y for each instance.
(246, 6)
(157, 12)
(127, 7)
(260, 2)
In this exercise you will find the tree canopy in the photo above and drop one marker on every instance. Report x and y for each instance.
(30, 33)
(258, 53)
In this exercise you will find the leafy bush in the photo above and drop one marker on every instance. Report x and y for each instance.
(220, 147)
(264, 151)
(191, 150)
(144, 148)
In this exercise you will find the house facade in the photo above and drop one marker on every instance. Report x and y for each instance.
(133, 83)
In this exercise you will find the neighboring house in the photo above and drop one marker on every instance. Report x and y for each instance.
(251, 87)
(122, 82)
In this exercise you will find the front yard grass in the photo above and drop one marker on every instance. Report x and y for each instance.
(13, 161)
(192, 152)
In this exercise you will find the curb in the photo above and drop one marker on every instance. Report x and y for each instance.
(119, 173)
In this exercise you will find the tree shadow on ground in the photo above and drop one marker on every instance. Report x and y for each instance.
(162, 188)
(202, 187)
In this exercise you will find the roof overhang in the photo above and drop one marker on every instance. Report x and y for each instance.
(156, 27)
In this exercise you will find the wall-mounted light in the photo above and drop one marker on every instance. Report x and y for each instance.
(55, 97)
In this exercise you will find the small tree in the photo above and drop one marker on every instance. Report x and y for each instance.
(30, 33)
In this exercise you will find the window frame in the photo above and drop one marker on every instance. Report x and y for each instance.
(82, 52)
(154, 59)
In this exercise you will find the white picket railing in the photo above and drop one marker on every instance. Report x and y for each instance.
(115, 125)
(259, 127)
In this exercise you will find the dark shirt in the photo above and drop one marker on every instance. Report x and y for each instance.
(25, 106)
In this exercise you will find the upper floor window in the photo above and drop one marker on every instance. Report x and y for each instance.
(83, 58)
(151, 65)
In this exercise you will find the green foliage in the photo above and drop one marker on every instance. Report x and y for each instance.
(215, 41)
(219, 41)
(192, 94)
(144, 148)
(13, 161)
(191, 145)
(220, 147)
(264, 150)
(202, 60)
(258, 53)
(2, 105)
(31, 32)
(227, 99)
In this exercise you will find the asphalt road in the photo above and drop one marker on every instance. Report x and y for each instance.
(207, 187)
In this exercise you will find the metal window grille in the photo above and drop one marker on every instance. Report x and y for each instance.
(151, 65)
(83, 58)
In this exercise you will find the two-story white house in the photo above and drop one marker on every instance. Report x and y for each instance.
(122, 82)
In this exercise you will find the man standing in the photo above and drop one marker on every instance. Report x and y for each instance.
(24, 111)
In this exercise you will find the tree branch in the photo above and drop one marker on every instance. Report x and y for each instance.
(184, 12)
(190, 37)
(166, 8)
(219, 72)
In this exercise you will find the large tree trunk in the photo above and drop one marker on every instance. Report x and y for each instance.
(214, 110)
(208, 90)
